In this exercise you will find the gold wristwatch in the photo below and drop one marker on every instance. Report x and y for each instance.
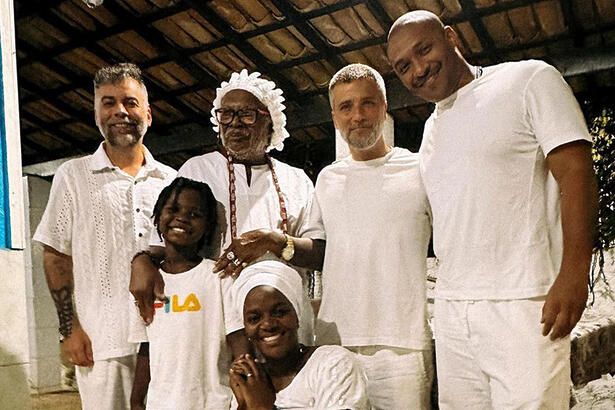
(289, 250)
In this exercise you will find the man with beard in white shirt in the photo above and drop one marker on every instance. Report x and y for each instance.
(98, 216)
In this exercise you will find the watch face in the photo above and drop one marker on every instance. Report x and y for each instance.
(289, 250)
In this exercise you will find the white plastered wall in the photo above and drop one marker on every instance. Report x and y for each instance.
(14, 346)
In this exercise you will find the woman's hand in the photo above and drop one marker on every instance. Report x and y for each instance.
(246, 249)
(251, 385)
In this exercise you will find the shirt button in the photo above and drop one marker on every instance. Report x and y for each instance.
(140, 234)
(136, 182)
(138, 210)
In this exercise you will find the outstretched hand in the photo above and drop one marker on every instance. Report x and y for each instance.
(251, 384)
(246, 249)
(564, 306)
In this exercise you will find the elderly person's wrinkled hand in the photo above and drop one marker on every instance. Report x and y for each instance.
(246, 249)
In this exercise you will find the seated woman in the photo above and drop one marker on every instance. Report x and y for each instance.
(287, 374)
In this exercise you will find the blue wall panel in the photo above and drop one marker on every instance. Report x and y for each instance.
(5, 227)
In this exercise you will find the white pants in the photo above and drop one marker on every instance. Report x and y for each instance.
(397, 378)
(106, 385)
(491, 355)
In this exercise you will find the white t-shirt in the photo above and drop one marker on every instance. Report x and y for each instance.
(188, 355)
(376, 217)
(258, 205)
(101, 216)
(496, 208)
(330, 379)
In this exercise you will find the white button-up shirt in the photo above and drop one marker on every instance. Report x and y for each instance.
(101, 216)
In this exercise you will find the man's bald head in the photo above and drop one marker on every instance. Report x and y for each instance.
(424, 54)
(424, 17)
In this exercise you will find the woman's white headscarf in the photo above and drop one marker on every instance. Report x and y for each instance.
(266, 92)
(270, 273)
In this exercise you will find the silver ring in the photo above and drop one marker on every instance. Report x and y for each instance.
(236, 262)
(244, 264)
(230, 255)
(249, 375)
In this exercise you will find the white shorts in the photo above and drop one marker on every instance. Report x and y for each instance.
(491, 354)
(397, 378)
(108, 384)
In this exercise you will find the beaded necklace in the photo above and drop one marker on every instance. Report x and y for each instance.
(233, 197)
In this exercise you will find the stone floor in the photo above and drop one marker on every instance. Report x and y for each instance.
(596, 395)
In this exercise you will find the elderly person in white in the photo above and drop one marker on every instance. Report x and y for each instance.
(98, 216)
(265, 201)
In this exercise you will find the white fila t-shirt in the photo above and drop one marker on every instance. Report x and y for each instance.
(189, 358)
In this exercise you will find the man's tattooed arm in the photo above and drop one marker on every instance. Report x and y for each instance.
(59, 275)
(63, 299)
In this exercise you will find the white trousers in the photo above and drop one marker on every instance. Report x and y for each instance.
(491, 355)
(397, 378)
(106, 385)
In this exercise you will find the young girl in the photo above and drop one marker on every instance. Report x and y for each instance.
(188, 355)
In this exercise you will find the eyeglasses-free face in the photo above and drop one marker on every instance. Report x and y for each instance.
(247, 116)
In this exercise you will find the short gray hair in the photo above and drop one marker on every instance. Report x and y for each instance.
(355, 72)
(114, 74)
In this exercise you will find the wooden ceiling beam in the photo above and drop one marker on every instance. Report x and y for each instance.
(135, 22)
(56, 132)
(79, 81)
(87, 39)
(162, 43)
(481, 30)
(574, 26)
(309, 32)
(380, 13)
(51, 97)
(246, 48)
(29, 8)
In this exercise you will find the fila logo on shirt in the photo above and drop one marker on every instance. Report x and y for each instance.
(191, 304)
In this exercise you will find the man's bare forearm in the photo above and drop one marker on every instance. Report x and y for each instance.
(59, 275)
(579, 199)
(309, 253)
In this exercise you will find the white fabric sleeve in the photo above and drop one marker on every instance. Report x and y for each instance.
(56, 226)
(339, 381)
(137, 332)
(554, 113)
(233, 320)
(313, 227)
(304, 227)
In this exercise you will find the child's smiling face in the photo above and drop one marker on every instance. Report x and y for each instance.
(182, 219)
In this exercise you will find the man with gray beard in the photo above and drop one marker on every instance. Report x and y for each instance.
(98, 216)
(374, 212)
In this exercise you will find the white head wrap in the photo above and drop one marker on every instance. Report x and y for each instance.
(270, 273)
(266, 92)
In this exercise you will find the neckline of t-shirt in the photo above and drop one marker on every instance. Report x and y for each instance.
(372, 162)
(463, 90)
(183, 274)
